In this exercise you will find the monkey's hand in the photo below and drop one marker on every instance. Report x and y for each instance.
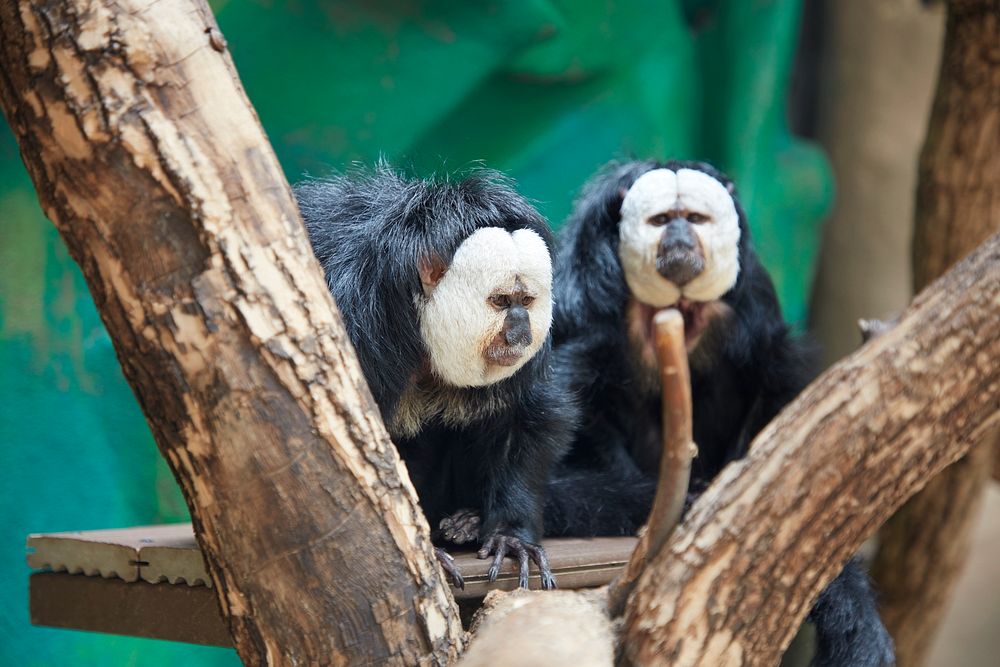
(501, 546)
(449, 567)
(460, 527)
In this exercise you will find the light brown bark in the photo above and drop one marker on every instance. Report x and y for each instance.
(739, 575)
(924, 547)
(151, 162)
(675, 461)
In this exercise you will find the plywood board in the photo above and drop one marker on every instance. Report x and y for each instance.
(107, 553)
(137, 609)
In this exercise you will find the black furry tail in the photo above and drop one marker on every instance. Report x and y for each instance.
(849, 631)
(588, 503)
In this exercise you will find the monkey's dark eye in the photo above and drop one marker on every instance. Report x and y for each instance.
(659, 220)
(501, 301)
(527, 301)
(697, 218)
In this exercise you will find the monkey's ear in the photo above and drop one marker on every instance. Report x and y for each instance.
(431, 269)
(731, 187)
(615, 203)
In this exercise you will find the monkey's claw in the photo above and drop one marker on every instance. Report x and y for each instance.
(501, 546)
(461, 527)
(449, 567)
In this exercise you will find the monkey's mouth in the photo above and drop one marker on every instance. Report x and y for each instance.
(697, 316)
(696, 320)
(679, 267)
(505, 355)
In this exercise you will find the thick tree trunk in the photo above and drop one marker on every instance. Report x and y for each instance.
(739, 575)
(878, 66)
(924, 547)
(149, 159)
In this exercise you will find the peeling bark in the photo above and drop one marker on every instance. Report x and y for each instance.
(924, 547)
(741, 573)
(148, 157)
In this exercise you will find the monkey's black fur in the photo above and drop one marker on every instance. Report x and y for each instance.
(754, 366)
(369, 231)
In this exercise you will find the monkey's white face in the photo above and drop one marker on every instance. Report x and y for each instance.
(491, 310)
(679, 237)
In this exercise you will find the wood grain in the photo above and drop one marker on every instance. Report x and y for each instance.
(150, 160)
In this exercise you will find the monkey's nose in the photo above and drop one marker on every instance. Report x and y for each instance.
(518, 336)
(678, 257)
(678, 234)
(517, 328)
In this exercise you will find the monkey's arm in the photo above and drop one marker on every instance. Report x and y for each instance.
(518, 468)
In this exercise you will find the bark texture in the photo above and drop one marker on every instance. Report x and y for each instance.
(924, 547)
(740, 574)
(148, 157)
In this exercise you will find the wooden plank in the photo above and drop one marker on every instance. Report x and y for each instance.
(137, 609)
(189, 613)
(170, 554)
(576, 563)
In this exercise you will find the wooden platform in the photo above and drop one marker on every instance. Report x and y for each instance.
(151, 581)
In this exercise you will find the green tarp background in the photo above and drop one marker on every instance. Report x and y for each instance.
(546, 90)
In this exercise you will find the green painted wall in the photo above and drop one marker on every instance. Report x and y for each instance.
(546, 91)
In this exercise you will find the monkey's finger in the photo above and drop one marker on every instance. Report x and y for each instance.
(461, 527)
(501, 553)
(449, 567)
(487, 548)
(522, 557)
(544, 570)
(468, 531)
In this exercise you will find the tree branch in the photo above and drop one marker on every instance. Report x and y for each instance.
(148, 157)
(675, 462)
(923, 549)
(740, 574)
